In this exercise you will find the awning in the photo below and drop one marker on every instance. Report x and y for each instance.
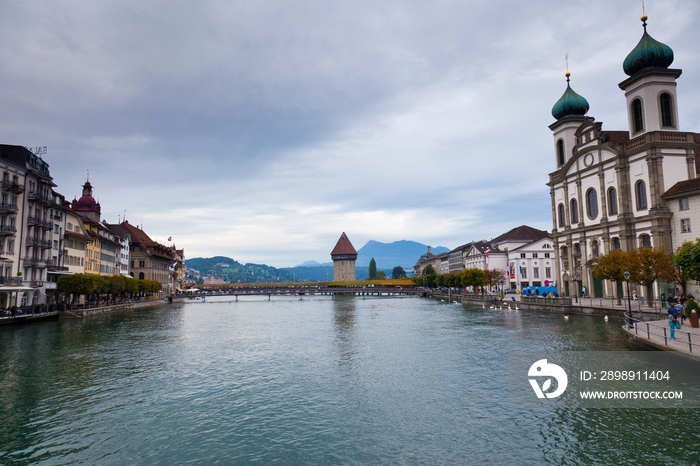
(17, 288)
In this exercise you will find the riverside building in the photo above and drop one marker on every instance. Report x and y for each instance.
(607, 188)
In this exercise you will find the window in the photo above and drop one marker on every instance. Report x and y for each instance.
(641, 191)
(616, 244)
(644, 241)
(612, 201)
(522, 255)
(685, 225)
(534, 255)
(523, 272)
(546, 255)
(592, 203)
(683, 203)
(577, 249)
(565, 257)
(547, 272)
(666, 109)
(637, 117)
(535, 272)
(594, 248)
(560, 152)
(562, 216)
(574, 211)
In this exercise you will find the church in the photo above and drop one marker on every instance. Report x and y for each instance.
(607, 188)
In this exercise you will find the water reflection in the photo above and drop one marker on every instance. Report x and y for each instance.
(344, 317)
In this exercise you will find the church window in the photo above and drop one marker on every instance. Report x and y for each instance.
(577, 249)
(612, 201)
(594, 248)
(637, 115)
(592, 203)
(666, 109)
(644, 241)
(560, 152)
(641, 191)
(574, 211)
(565, 257)
(562, 216)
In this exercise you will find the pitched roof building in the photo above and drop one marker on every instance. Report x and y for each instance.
(344, 256)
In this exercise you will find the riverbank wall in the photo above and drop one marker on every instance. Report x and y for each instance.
(95, 311)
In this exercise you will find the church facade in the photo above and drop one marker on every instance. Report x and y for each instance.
(606, 191)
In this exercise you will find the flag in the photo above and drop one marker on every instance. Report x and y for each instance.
(170, 238)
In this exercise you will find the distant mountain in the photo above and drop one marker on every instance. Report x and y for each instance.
(389, 255)
(315, 264)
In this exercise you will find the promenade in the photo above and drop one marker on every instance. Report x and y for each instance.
(657, 335)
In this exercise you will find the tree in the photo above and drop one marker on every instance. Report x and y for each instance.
(612, 267)
(380, 275)
(473, 277)
(372, 269)
(398, 272)
(649, 265)
(686, 260)
(494, 276)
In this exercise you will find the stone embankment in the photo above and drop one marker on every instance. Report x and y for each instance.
(94, 311)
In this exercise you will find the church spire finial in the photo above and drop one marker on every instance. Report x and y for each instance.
(566, 59)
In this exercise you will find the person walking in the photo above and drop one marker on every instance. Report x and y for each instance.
(672, 323)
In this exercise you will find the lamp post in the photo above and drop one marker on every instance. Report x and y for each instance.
(629, 302)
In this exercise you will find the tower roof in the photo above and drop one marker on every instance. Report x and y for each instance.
(343, 247)
(570, 103)
(649, 53)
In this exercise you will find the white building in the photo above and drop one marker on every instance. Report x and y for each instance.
(530, 257)
(607, 188)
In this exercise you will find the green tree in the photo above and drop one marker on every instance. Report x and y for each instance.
(398, 272)
(372, 269)
(380, 275)
(473, 277)
(687, 262)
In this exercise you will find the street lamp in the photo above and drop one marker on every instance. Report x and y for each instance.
(629, 302)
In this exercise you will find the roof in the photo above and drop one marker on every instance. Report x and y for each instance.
(141, 239)
(570, 104)
(683, 187)
(521, 233)
(649, 53)
(343, 247)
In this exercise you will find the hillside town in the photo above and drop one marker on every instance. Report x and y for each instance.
(44, 236)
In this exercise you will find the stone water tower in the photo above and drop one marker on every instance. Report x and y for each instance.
(344, 256)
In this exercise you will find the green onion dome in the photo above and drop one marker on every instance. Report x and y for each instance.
(649, 53)
(570, 103)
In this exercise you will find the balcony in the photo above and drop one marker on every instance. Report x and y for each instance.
(8, 208)
(36, 283)
(37, 262)
(39, 222)
(8, 281)
(7, 230)
(36, 241)
(16, 188)
(38, 197)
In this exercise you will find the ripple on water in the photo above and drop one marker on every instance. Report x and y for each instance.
(344, 381)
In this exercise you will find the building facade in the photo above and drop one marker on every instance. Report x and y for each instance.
(606, 190)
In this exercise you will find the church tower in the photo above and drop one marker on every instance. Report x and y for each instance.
(344, 256)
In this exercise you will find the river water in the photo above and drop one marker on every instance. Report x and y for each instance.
(310, 381)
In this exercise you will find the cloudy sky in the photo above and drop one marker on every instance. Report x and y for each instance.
(261, 130)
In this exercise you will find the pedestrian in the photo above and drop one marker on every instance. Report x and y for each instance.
(634, 295)
(673, 324)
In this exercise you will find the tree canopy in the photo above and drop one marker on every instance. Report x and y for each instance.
(372, 269)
